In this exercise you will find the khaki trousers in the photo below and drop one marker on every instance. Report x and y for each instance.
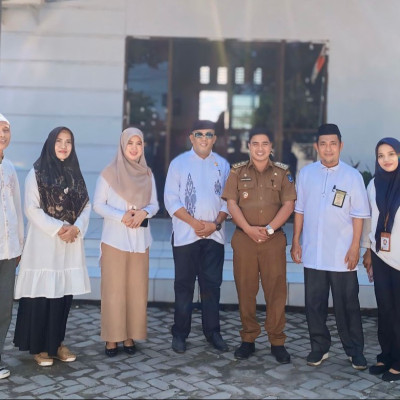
(124, 292)
(252, 261)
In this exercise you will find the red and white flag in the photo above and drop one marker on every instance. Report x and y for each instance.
(319, 63)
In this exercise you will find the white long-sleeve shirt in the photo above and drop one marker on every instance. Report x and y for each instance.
(391, 257)
(49, 266)
(196, 184)
(11, 218)
(328, 229)
(112, 207)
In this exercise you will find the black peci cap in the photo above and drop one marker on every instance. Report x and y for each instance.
(202, 124)
(328, 129)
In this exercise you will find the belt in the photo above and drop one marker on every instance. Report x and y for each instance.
(276, 230)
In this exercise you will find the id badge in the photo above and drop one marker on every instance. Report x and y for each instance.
(338, 200)
(385, 241)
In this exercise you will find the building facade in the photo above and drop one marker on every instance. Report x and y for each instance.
(98, 66)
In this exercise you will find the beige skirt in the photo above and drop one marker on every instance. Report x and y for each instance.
(124, 291)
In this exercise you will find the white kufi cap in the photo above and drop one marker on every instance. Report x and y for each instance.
(4, 119)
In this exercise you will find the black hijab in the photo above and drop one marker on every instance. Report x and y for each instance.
(387, 187)
(62, 189)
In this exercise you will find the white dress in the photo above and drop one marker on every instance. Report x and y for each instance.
(49, 266)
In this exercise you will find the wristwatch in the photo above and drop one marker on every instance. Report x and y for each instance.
(270, 229)
(218, 226)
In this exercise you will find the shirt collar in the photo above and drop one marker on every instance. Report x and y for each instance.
(336, 167)
(196, 155)
(270, 164)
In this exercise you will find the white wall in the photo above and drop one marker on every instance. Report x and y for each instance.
(62, 63)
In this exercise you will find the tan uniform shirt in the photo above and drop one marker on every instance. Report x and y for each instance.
(259, 195)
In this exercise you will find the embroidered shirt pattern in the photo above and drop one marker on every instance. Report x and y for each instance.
(8, 183)
(11, 220)
(218, 188)
(190, 196)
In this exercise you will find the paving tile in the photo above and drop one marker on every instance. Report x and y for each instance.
(118, 393)
(156, 372)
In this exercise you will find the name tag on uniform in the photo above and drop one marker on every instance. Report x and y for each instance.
(385, 241)
(245, 179)
(338, 200)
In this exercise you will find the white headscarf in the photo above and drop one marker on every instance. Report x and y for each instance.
(4, 119)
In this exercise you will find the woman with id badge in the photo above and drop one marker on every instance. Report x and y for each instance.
(125, 197)
(382, 258)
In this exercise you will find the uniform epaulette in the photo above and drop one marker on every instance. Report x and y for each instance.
(281, 165)
(239, 164)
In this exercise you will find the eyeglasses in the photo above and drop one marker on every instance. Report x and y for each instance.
(199, 135)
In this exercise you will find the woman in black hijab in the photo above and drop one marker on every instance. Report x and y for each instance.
(382, 257)
(52, 267)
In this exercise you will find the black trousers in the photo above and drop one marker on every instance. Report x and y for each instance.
(203, 259)
(41, 324)
(344, 286)
(7, 281)
(387, 293)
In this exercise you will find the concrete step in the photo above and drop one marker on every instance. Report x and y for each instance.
(161, 273)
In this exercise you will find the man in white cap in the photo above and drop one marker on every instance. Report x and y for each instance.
(11, 235)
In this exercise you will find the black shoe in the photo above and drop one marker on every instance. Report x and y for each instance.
(178, 344)
(216, 340)
(244, 351)
(315, 358)
(390, 377)
(378, 369)
(111, 352)
(131, 350)
(281, 355)
(359, 362)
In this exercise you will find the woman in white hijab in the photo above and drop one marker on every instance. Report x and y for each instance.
(126, 198)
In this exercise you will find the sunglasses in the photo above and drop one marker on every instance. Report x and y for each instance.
(199, 135)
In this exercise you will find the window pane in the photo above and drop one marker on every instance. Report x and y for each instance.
(257, 78)
(239, 75)
(204, 75)
(212, 104)
(243, 108)
(222, 75)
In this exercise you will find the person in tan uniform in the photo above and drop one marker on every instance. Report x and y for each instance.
(260, 195)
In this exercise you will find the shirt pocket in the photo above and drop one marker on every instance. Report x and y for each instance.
(274, 184)
(245, 191)
(273, 189)
(245, 185)
(340, 205)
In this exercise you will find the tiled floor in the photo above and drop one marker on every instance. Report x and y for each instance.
(156, 372)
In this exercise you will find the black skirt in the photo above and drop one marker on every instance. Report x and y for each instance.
(41, 324)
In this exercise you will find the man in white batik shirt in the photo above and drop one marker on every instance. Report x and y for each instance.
(11, 235)
(192, 196)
